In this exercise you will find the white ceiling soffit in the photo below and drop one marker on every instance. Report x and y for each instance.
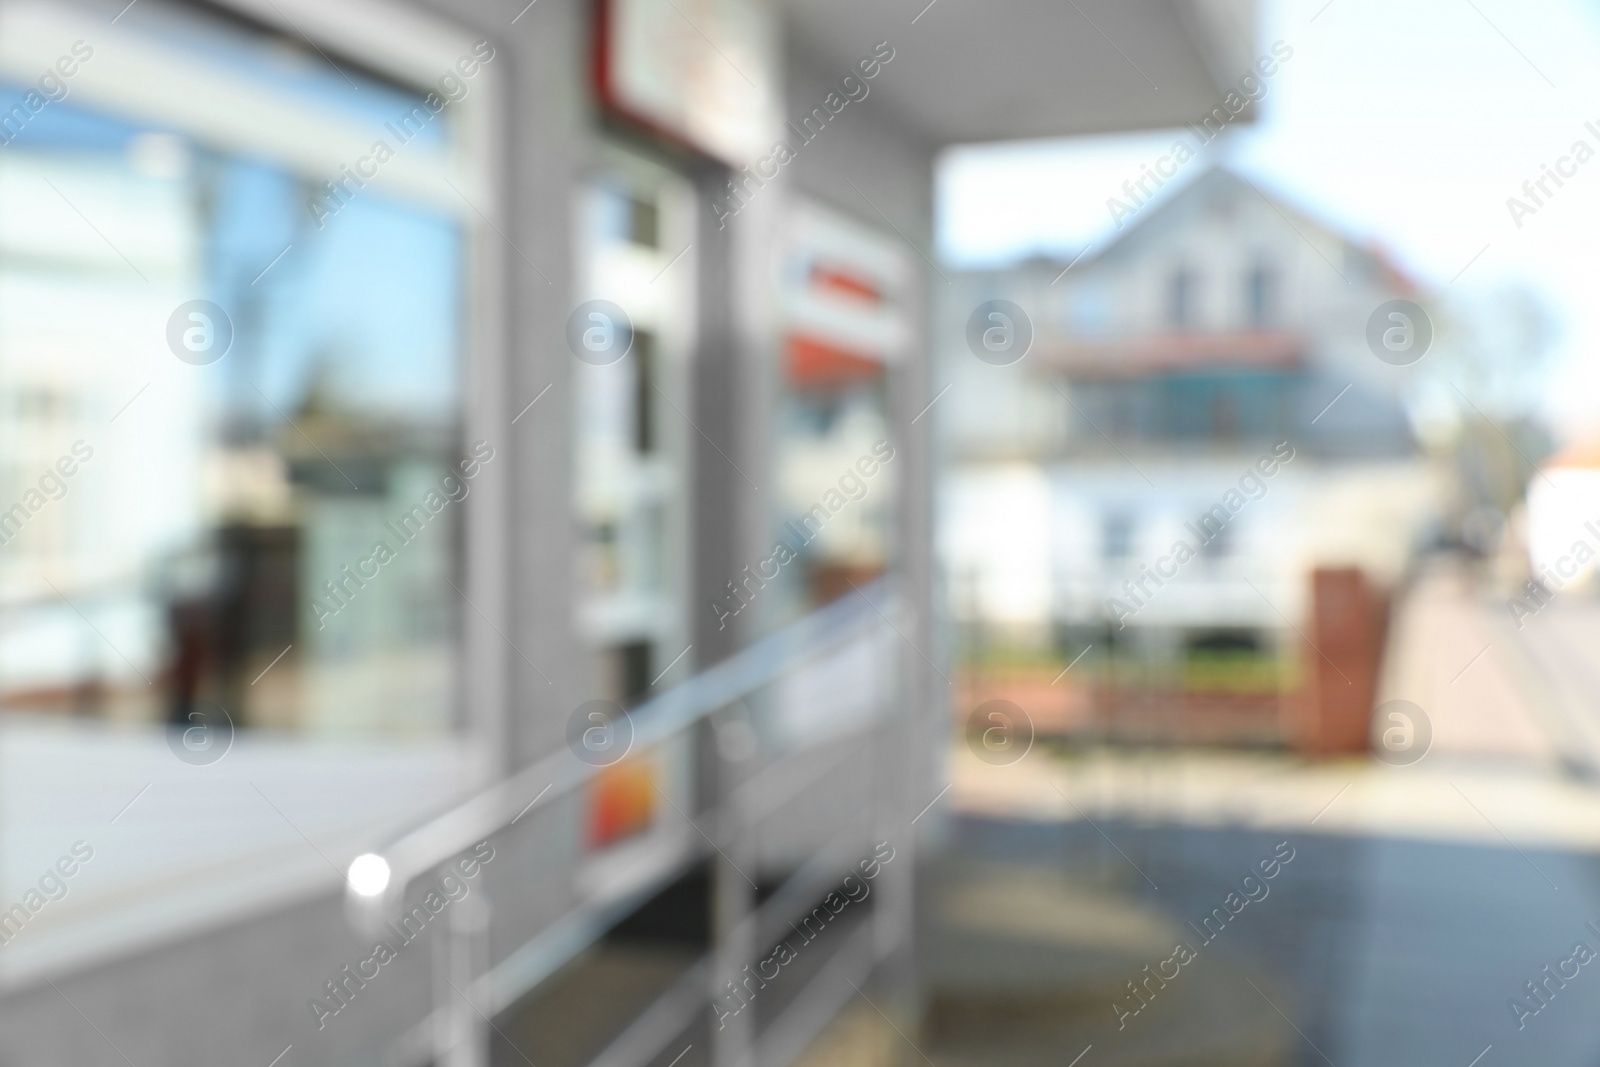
(1225, 31)
(992, 70)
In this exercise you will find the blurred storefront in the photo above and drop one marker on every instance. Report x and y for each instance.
(384, 384)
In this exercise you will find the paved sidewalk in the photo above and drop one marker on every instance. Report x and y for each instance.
(1453, 653)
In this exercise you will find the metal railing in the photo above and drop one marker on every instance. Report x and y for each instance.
(829, 655)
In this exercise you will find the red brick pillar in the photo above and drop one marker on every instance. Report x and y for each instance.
(1349, 621)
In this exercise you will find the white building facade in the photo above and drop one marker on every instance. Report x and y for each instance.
(1200, 422)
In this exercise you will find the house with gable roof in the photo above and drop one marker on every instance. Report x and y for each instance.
(1198, 424)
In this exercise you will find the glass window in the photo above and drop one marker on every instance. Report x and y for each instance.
(1181, 298)
(843, 294)
(630, 442)
(230, 408)
(1261, 295)
(1116, 535)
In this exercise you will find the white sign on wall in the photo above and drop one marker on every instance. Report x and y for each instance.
(701, 71)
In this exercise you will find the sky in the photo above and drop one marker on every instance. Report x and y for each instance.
(1405, 125)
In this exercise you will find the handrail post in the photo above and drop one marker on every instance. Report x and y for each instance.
(895, 803)
(732, 901)
(460, 957)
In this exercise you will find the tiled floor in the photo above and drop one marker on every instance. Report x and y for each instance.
(1379, 951)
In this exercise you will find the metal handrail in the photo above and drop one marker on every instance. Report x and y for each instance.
(494, 808)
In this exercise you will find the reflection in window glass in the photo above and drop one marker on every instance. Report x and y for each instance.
(630, 450)
(842, 291)
(273, 531)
